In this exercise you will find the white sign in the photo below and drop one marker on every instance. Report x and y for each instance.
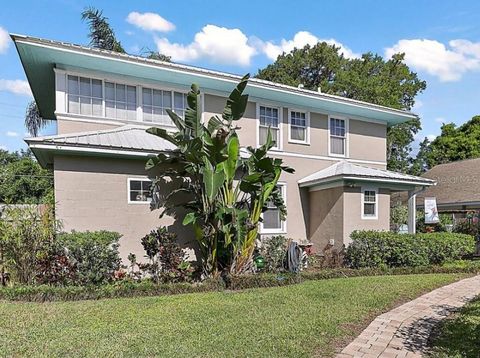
(431, 212)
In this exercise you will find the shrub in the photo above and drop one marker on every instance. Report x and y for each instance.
(274, 251)
(167, 258)
(130, 288)
(27, 233)
(94, 254)
(386, 249)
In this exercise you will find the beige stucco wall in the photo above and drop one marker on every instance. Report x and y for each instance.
(91, 194)
(367, 140)
(336, 212)
(69, 126)
(353, 212)
(326, 218)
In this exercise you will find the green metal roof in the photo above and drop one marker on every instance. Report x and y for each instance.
(39, 57)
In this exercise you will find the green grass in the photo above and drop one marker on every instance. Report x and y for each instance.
(459, 336)
(291, 321)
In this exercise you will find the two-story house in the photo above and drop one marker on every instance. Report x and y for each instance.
(103, 101)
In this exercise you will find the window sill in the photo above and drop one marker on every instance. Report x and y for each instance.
(293, 141)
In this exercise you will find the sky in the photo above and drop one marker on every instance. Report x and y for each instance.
(441, 40)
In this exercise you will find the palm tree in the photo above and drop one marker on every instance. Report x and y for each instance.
(33, 121)
(101, 34)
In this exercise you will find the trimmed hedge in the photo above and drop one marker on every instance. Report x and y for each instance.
(46, 293)
(386, 249)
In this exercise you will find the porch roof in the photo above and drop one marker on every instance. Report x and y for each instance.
(125, 141)
(347, 171)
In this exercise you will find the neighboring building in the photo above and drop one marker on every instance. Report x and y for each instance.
(457, 190)
(103, 101)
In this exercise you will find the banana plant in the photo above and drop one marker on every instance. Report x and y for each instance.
(223, 195)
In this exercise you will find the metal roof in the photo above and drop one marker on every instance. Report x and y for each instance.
(40, 56)
(127, 140)
(347, 170)
(125, 137)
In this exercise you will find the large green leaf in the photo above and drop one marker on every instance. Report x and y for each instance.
(236, 102)
(193, 114)
(176, 119)
(212, 179)
(162, 133)
(233, 151)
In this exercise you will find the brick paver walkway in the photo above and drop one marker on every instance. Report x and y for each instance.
(404, 331)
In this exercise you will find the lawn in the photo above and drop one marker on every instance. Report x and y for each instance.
(292, 321)
(459, 336)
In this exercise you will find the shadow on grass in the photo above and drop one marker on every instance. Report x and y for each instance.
(459, 335)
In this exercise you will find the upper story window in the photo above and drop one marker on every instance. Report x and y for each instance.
(269, 117)
(139, 190)
(338, 136)
(299, 127)
(272, 222)
(120, 101)
(156, 102)
(84, 96)
(369, 203)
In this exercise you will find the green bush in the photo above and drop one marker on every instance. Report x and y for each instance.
(387, 249)
(167, 259)
(94, 255)
(274, 252)
(27, 233)
(129, 288)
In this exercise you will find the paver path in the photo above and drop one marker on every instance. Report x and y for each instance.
(404, 331)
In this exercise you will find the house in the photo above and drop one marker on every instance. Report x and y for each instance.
(103, 101)
(457, 186)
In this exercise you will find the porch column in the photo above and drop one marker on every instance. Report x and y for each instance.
(412, 211)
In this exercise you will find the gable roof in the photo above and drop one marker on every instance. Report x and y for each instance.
(457, 182)
(345, 170)
(127, 140)
(39, 57)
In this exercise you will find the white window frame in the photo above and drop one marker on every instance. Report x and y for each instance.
(129, 180)
(364, 216)
(347, 130)
(283, 228)
(307, 127)
(172, 98)
(67, 94)
(115, 101)
(279, 146)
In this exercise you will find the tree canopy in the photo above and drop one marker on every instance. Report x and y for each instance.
(454, 143)
(370, 78)
(22, 180)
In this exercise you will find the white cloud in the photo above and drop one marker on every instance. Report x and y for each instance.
(300, 40)
(431, 137)
(3, 147)
(150, 21)
(20, 87)
(4, 40)
(440, 120)
(217, 44)
(446, 63)
(11, 134)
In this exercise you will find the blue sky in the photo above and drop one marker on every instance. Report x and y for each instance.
(441, 40)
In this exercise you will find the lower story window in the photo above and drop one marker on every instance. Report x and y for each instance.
(369, 203)
(139, 191)
(272, 222)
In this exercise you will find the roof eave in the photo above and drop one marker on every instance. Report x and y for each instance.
(365, 179)
(35, 53)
